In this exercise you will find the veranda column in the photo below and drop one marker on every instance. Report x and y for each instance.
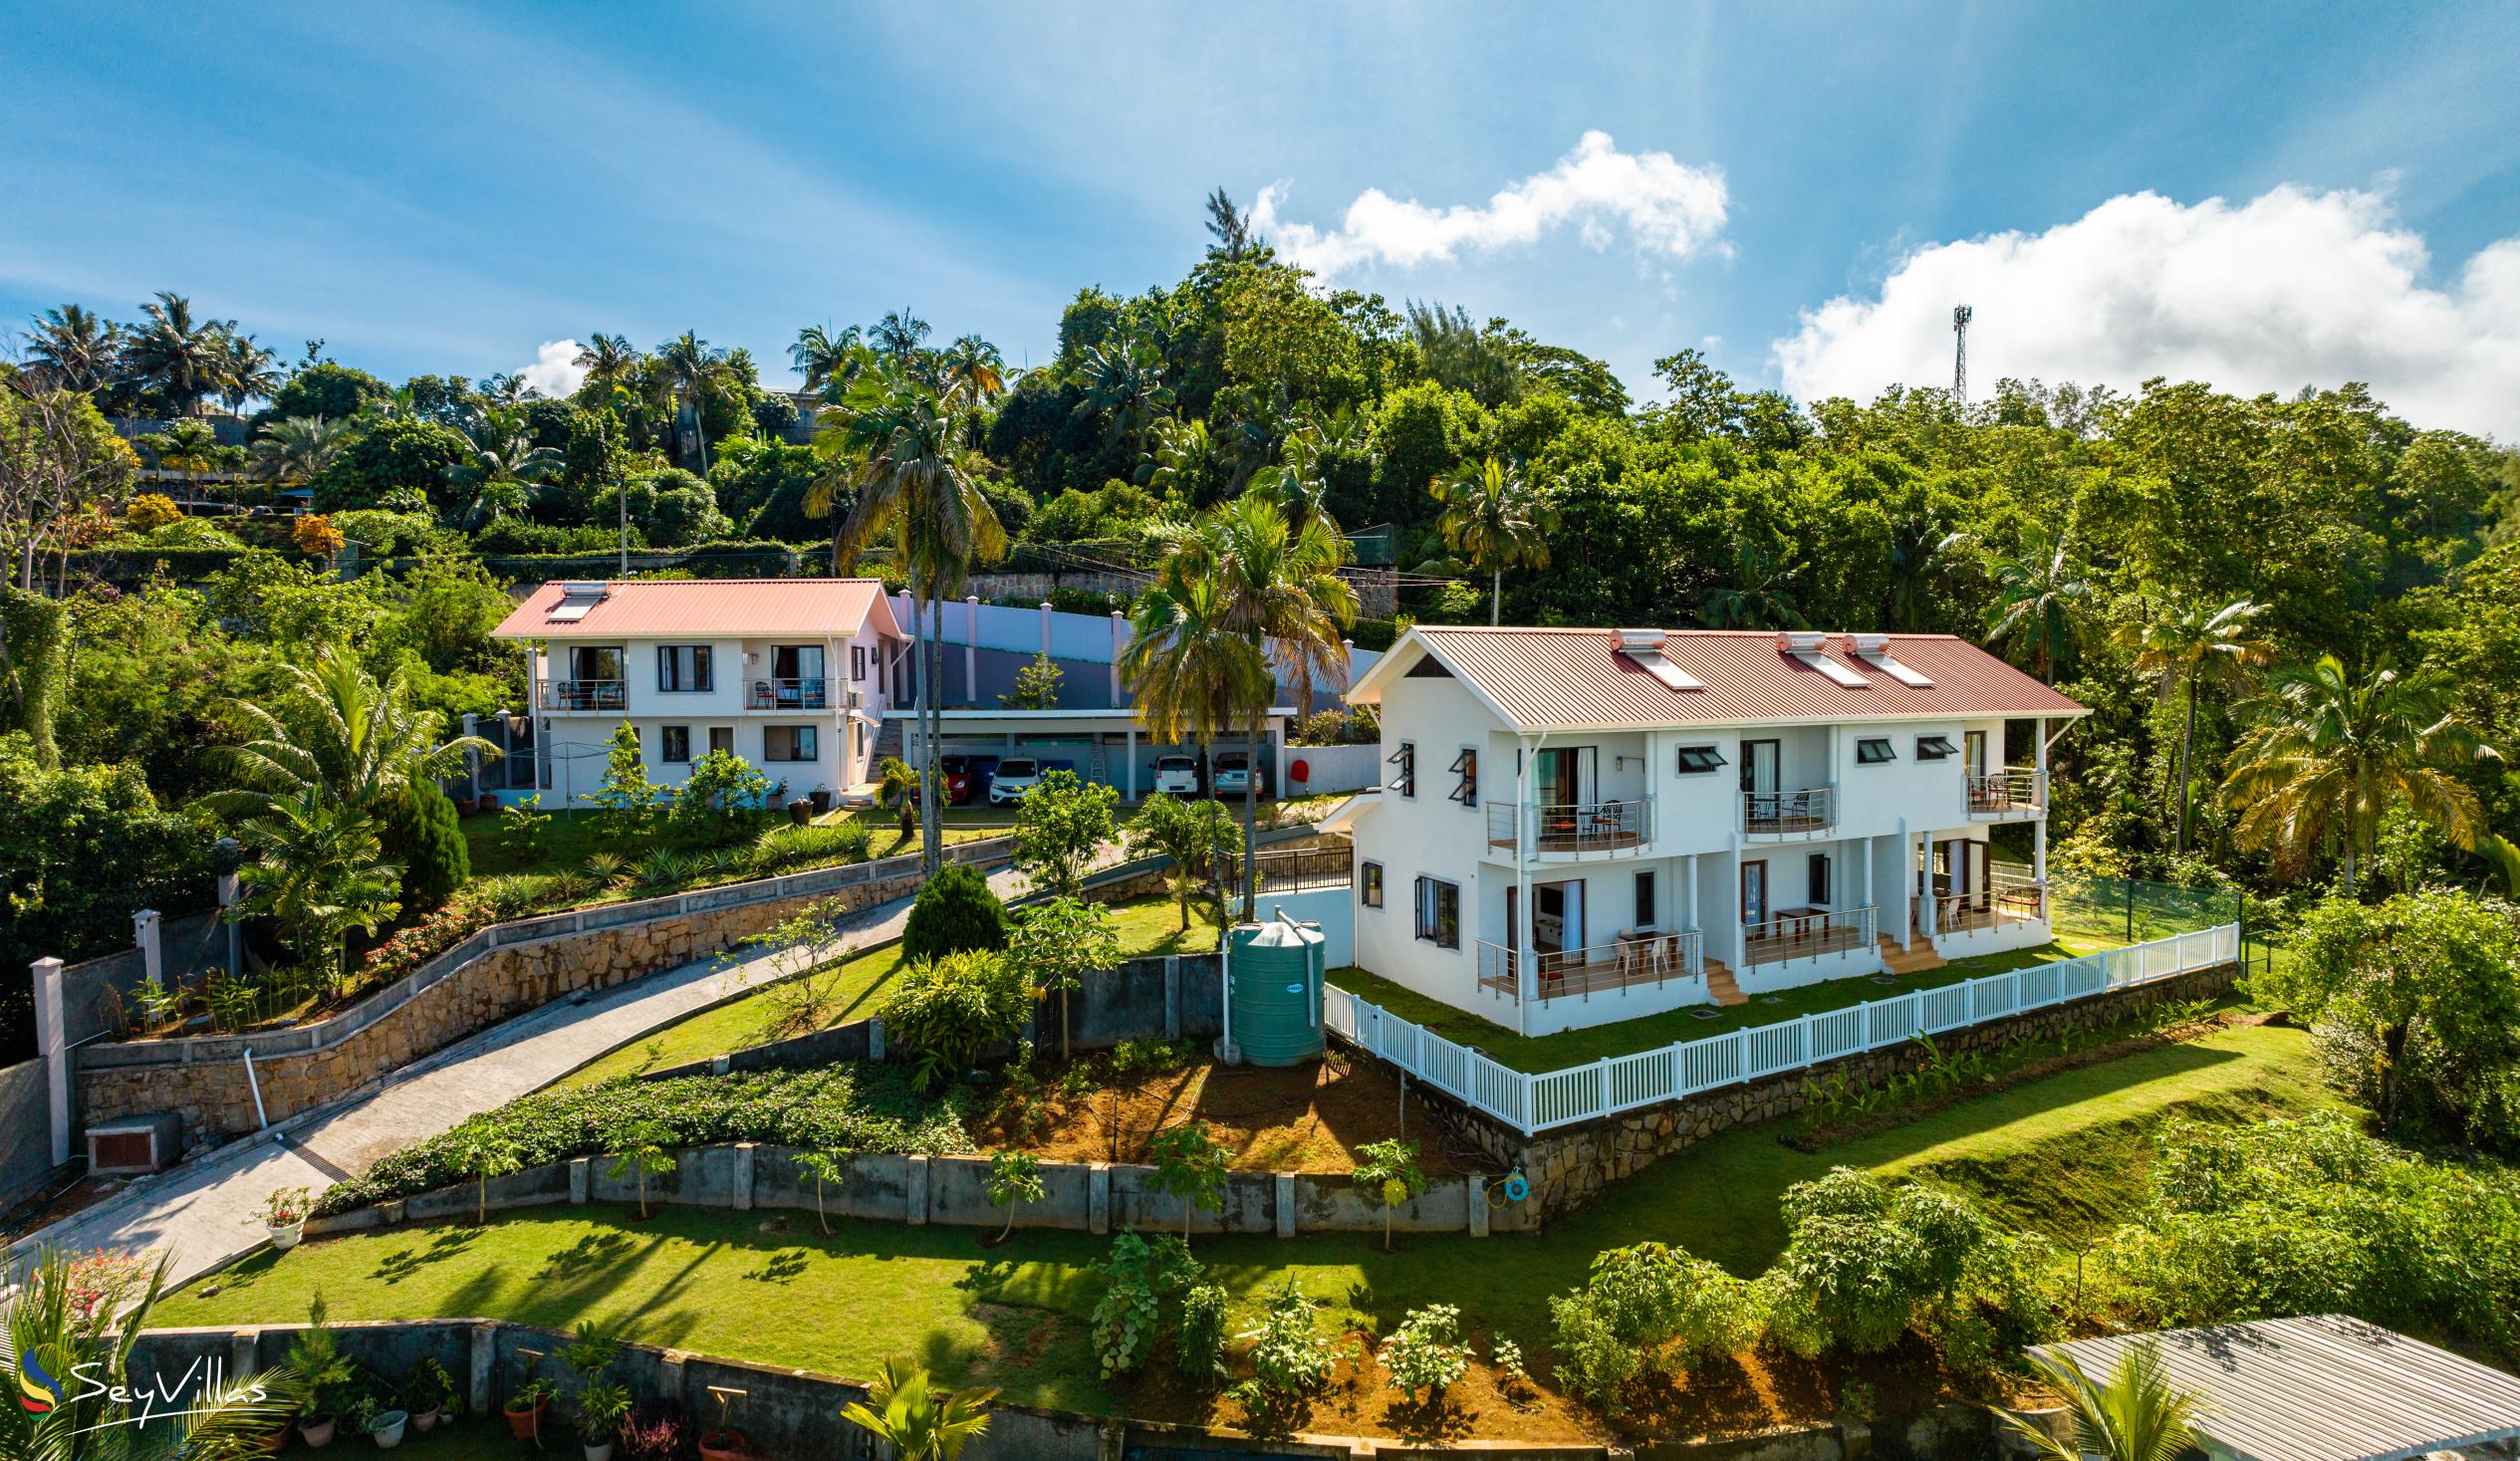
(971, 647)
(51, 1038)
(1120, 641)
(2039, 828)
(1925, 888)
(1129, 771)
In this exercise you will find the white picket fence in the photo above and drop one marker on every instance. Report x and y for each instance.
(1532, 1104)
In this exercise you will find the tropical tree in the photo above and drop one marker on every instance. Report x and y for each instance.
(2186, 642)
(610, 362)
(190, 447)
(1496, 521)
(907, 450)
(2136, 1415)
(246, 372)
(1920, 552)
(336, 733)
(973, 366)
(502, 463)
(176, 355)
(293, 450)
(1194, 836)
(318, 872)
(1123, 383)
(692, 370)
(1760, 595)
(828, 358)
(1190, 666)
(898, 336)
(918, 1421)
(1184, 464)
(2038, 592)
(2331, 752)
(483, 1151)
(78, 1315)
(79, 349)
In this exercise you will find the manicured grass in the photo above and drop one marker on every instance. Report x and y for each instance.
(961, 824)
(1146, 926)
(2063, 1155)
(1583, 1046)
(565, 841)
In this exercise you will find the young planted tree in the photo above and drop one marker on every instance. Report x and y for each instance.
(481, 1153)
(1190, 1166)
(1014, 1178)
(628, 797)
(1197, 834)
(825, 1167)
(1057, 944)
(646, 1157)
(1389, 1170)
(1060, 826)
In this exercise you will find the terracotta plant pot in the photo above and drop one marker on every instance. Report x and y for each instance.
(526, 1424)
(724, 1445)
(315, 1432)
(425, 1420)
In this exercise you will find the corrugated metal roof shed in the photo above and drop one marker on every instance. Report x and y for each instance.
(2325, 1388)
(650, 608)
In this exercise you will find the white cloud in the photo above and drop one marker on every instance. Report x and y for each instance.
(554, 371)
(2290, 289)
(1667, 206)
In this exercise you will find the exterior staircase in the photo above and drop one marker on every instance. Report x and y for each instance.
(1910, 961)
(1720, 986)
(887, 741)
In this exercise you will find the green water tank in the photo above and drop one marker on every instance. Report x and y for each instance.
(1275, 974)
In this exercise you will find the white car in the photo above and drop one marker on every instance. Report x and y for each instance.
(1015, 775)
(1177, 776)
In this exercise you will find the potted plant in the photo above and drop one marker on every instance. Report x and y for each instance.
(725, 1443)
(525, 1408)
(425, 1392)
(383, 1424)
(822, 800)
(284, 1217)
(777, 796)
(322, 1370)
(601, 1407)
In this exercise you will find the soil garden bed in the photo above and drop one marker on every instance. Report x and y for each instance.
(1298, 1118)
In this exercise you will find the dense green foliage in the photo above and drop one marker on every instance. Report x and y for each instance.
(944, 1012)
(955, 910)
(416, 829)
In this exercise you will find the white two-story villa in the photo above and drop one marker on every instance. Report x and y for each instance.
(1582, 825)
(792, 675)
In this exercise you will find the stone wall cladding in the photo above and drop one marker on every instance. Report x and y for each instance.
(1569, 1166)
(215, 1097)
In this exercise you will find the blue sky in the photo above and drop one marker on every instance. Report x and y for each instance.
(447, 187)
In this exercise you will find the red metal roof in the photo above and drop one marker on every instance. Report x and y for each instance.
(1578, 677)
(703, 608)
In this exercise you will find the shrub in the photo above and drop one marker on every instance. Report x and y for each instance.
(946, 1011)
(1425, 1353)
(1199, 1343)
(416, 826)
(719, 802)
(1137, 1277)
(956, 911)
(1059, 826)
(1190, 1166)
(1289, 1358)
(151, 511)
(1644, 1307)
(1863, 1259)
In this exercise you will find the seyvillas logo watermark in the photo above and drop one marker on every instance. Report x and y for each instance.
(200, 1389)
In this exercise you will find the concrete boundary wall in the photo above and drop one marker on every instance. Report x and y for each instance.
(1089, 1197)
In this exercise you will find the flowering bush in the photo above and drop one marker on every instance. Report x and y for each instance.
(1425, 1353)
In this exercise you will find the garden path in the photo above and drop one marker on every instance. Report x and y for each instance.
(208, 1211)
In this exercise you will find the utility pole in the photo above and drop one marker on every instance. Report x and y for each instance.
(1960, 352)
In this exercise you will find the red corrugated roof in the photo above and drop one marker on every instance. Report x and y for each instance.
(724, 609)
(1578, 677)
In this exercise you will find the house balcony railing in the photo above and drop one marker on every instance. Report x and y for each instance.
(1586, 827)
(1811, 809)
(2008, 902)
(791, 694)
(2008, 790)
(1643, 956)
(584, 695)
(1807, 933)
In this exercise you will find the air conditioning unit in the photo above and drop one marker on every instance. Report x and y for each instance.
(130, 1145)
(857, 699)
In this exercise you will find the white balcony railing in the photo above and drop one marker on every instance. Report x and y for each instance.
(2009, 902)
(1807, 933)
(1643, 957)
(1587, 827)
(2007, 791)
(584, 695)
(1810, 809)
(788, 694)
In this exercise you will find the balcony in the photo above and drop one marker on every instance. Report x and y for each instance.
(1807, 933)
(787, 695)
(1783, 814)
(2010, 901)
(2011, 790)
(1594, 826)
(584, 695)
(1643, 957)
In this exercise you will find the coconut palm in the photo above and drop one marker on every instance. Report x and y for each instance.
(906, 451)
(293, 450)
(175, 354)
(2185, 641)
(1496, 521)
(1184, 465)
(898, 336)
(1123, 382)
(1920, 553)
(1190, 668)
(2332, 752)
(828, 358)
(336, 733)
(78, 1315)
(1760, 595)
(502, 462)
(318, 872)
(2038, 592)
(76, 347)
(915, 1419)
(246, 372)
(190, 447)
(2136, 1415)
(690, 369)
(973, 366)
(608, 360)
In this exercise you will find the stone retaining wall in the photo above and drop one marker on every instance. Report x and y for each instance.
(1569, 1166)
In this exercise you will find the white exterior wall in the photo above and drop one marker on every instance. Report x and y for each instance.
(1430, 835)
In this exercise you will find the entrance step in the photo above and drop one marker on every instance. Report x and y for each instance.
(1910, 961)
(1720, 985)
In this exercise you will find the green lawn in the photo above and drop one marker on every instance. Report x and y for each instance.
(1583, 1046)
(1146, 926)
(2064, 1154)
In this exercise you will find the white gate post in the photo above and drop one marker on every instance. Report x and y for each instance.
(146, 937)
(971, 647)
(472, 759)
(51, 1038)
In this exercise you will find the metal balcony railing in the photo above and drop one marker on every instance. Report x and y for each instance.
(584, 695)
(2006, 791)
(2009, 902)
(1804, 933)
(794, 694)
(1590, 827)
(1644, 956)
(1811, 809)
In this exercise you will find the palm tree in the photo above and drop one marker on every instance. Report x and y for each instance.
(79, 1315)
(827, 357)
(504, 461)
(919, 1424)
(1123, 381)
(898, 335)
(246, 372)
(175, 354)
(608, 360)
(2136, 1415)
(2332, 753)
(2185, 641)
(1184, 465)
(690, 368)
(907, 450)
(2037, 593)
(77, 348)
(1919, 551)
(296, 450)
(318, 872)
(1495, 520)
(1760, 595)
(190, 447)
(336, 734)
(1189, 668)
(973, 366)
